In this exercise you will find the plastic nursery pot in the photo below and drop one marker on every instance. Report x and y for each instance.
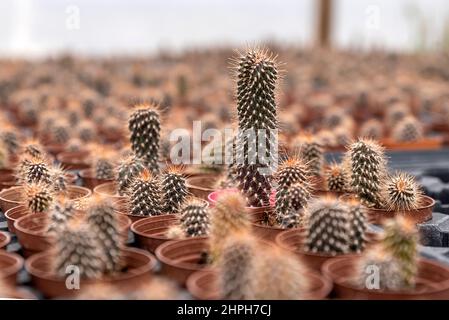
(5, 239)
(140, 264)
(89, 180)
(109, 190)
(31, 231)
(201, 186)
(419, 215)
(150, 232)
(432, 281)
(74, 160)
(203, 285)
(432, 143)
(181, 258)
(10, 265)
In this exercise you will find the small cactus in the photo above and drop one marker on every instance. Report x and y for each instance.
(290, 204)
(58, 177)
(328, 227)
(396, 114)
(128, 169)
(78, 247)
(291, 171)
(311, 151)
(38, 197)
(372, 129)
(144, 125)
(227, 216)
(103, 166)
(401, 192)
(36, 170)
(408, 129)
(175, 231)
(174, 189)
(145, 195)
(10, 139)
(235, 268)
(337, 179)
(103, 220)
(61, 212)
(401, 240)
(60, 133)
(367, 164)
(357, 226)
(195, 218)
(33, 149)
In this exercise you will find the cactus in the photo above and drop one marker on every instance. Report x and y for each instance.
(311, 152)
(146, 195)
(395, 114)
(236, 267)
(257, 76)
(78, 247)
(60, 133)
(103, 220)
(292, 170)
(33, 149)
(58, 178)
(367, 163)
(38, 197)
(401, 240)
(279, 276)
(174, 189)
(401, 192)
(328, 227)
(372, 129)
(128, 169)
(337, 179)
(389, 275)
(357, 225)
(290, 203)
(195, 218)
(334, 117)
(61, 212)
(10, 138)
(144, 125)
(343, 136)
(175, 231)
(228, 216)
(408, 129)
(36, 170)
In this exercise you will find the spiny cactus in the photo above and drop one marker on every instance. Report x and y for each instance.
(36, 170)
(372, 129)
(334, 117)
(257, 76)
(290, 204)
(343, 136)
(229, 215)
(408, 129)
(292, 170)
(396, 113)
(103, 220)
(58, 178)
(86, 131)
(174, 189)
(144, 125)
(367, 163)
(401, 192)
(10, 138)
(279, 276)
(128, 169)
(195, 218)
(61, 212)
(38, 197)
(103, 163)
(357, 225)
(328, 227)
(311, 152)
(78, 247)
(337, 178)
(401, 240)
(236, 267)
(175, 231)
(33, 149)
(60, 133)
(389, 275)
(145, 195)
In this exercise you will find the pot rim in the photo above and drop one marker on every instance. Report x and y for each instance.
(49, 276)
(431, 203)
(15, 267)
(189, 185)
(7, 239)
(344, 281)
(136, 224)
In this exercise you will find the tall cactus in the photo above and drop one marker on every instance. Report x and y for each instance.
(257, 113)
(174, 189)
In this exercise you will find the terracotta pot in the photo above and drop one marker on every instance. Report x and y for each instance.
(201, 186)
(7, 174)
(7, 184)
(261, 229)
(31, 231)
(432, 281)
(109, 190)
(433, 143)
(10, 265)
(180, 258)
(140, 266)
(10, 198)
(18, 209)
(150, 232)
(293, 241)
(74, 160)
(89, 179)
(420, 215)
(5, 239)
(203, 285)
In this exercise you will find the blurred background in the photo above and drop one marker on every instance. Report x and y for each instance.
(47, 27)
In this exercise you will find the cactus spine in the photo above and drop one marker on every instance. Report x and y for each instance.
(401, 192)
(312, 152)
(328, 227)
(38, 197)
(128, 169)
(195, 218)
(336, 178)
(174, 189)
(145, 195)
(367, 164)
(257, 111)
(144, 125)
(357, 226)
